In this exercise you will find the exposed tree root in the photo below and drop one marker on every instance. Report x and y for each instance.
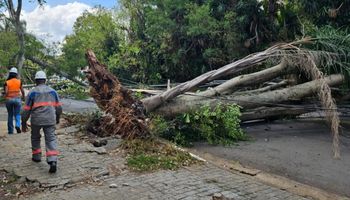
(123, 114)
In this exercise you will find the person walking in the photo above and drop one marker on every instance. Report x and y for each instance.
(13, 90)
(44, 108)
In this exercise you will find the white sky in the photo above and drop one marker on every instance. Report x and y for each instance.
(53, 23)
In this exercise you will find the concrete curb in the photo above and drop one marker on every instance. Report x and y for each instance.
(271, 179)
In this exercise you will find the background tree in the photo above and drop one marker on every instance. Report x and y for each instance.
(150, 41)
(15, 18)
(96, 31)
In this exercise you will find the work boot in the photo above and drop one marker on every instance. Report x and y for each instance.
(18, 129)
(36, 159)
(53, 167)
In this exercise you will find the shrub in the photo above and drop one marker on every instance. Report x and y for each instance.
(220, 125)
(72, 90)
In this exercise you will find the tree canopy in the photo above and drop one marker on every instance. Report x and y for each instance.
(151, 41)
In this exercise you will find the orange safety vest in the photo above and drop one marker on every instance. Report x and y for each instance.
(13, 88)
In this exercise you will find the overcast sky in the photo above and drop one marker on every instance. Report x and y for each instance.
(55, 19)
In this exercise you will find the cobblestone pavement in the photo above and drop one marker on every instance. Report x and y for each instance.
(78, 160)
(86, 172)
(196, 182)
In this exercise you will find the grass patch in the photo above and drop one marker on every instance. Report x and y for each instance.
(152, 154)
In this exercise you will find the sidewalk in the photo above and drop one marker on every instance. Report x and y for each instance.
(86, 172)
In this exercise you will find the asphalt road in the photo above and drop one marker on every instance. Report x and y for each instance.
(70, 105)
(300, 150)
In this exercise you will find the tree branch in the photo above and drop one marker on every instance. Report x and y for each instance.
(55, 69)
(19, 9)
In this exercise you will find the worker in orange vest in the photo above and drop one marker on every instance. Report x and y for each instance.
(13, 90)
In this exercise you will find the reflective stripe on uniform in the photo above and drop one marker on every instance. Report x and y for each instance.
(37, 151)
(52, 153)
(27, 108)
(40, 104)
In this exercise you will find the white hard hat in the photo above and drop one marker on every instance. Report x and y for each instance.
(14, 70)
(40, 75)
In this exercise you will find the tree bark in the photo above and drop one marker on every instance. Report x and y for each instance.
(243, 80)
(181, 105)
(264, 89)
(272, 113)
(15, 17)
(248, 79)
(272, 11)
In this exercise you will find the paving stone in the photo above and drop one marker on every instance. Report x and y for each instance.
(79, 162)
(22, 166)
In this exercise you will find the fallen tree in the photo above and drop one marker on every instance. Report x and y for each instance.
(185, 103)
(263, 102)
(250, 61)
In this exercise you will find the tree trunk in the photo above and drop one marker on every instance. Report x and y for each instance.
(272, 11)
(272, 113)
(21, 42)
(181, 105)
(264, 89)
(153, 102)
(15, 17)
(248, 79)
(243, 80)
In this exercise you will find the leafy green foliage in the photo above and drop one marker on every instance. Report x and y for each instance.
(337, 43)
(95, 31)
(319, 12)
(68, 89)
(150, 41)
(220, 125)
(152, 154)
(8, 48)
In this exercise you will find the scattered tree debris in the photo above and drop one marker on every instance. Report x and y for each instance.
(153, 154)
(12, 186)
